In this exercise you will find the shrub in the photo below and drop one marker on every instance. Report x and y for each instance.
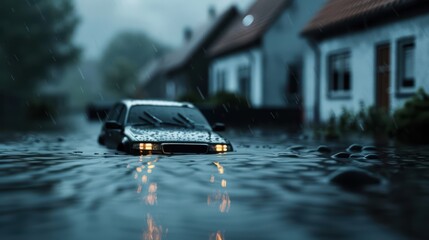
(229, 100)
(412, 120)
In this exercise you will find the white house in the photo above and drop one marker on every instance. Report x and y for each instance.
(260, 55)
(374, 53)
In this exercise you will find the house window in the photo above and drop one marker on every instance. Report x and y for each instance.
(339, 75)
(244, 80)
(406, 66)
(293, 80)
(220, 81)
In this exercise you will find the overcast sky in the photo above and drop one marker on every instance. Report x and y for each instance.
(163, 20)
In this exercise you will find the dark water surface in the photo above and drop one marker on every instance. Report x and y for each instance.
(65, 186)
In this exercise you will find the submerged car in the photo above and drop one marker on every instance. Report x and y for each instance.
(161, 127)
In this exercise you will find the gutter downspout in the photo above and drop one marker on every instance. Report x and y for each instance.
(315, 47)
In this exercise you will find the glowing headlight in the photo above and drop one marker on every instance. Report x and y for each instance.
(221, 148)
(144, 146)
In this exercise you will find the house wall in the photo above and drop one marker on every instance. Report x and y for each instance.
(230, 65)
(282, 47)
(362, 47)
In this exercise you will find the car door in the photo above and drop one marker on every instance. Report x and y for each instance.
(112, 133)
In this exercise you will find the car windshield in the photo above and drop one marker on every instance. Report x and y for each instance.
(167, 116)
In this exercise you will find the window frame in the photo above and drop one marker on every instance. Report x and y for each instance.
(244, 72)
(221, 80)
(341, 93)
(401, 90)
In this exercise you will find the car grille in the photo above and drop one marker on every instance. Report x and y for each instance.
(184, 148)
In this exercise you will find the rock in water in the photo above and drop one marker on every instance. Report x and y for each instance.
(323, 149)
(354, 179)
(369, 148)
(355, 148)
(341, 155)
(372, 156)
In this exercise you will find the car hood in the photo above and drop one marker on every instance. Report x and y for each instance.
(173, 135)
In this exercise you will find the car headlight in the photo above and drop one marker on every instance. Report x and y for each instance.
(220, 148)
(146, 146)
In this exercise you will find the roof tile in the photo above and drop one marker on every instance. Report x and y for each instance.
(263, 13)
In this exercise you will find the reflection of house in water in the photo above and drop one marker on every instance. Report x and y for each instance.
(260, 55)
(185, 71)
(372, 52)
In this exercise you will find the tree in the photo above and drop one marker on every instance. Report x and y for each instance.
(34, 41)
(121, 78)
(124, 56)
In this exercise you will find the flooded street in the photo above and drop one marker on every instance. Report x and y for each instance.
(63, 185)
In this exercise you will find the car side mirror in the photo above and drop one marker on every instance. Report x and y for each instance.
(112, 125)
(218, 127)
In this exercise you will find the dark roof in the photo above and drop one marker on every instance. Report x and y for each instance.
(182, 56)
(200, 37)
(238, 35)
(339, 15)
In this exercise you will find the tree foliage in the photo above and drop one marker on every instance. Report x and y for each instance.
(35, 39)
(124, 56)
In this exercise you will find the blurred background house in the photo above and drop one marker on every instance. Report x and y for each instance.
(183, 73)
(365, 53)
(260, 56)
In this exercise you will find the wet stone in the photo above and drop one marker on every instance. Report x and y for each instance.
(354, 179)
(355, 148)
(323, 149)
(369, 148)
(372, 156)
(288, 155)
(341, 155)
(296, 148)
(60, 139)
(355, 155)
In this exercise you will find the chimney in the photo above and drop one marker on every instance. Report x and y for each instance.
(187, 33)
(212, 12)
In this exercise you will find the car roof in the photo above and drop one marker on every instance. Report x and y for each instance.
(130, 103)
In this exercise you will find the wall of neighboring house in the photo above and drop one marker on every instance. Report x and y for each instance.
(358, 51)
(230, 73)
(176, 86)
(283, 49)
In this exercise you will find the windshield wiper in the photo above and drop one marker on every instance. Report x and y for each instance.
(156, 121)
(147, 122)
(187, 120)
(153, 117)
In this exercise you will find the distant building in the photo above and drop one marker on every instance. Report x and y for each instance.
(372, 52)
(260, 56)
(185, 70)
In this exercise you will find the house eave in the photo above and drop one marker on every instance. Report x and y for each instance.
(357, 24)
(232, 51)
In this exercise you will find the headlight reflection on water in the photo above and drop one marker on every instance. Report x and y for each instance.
(142, 174)
(221, 196)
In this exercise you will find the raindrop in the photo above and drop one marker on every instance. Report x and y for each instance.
(13, 78)
(155, 49)
(81, 73)
(40, 12)
(26, 26)
(52, 119)
(201, 94)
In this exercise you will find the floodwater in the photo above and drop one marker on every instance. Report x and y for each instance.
(63, 185)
